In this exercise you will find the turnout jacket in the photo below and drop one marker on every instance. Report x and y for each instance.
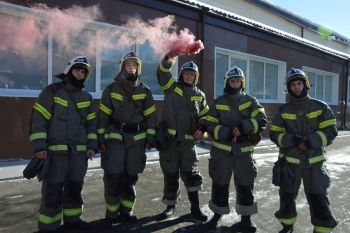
(63, 119)
(306, 117)
(123, 108)
(229, 111)
(183, 105)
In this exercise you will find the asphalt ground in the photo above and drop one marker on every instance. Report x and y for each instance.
(20, 198)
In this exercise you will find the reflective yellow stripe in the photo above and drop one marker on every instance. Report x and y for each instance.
(101, 130)
(289, 159)
(114, 136)
(323, 137)
(204, 111)
(163, 69)
(139, 96)
(314, 114)
(35, 136)
(151, 131)
(188, 137)
(112, 208)
(72, 212)
(222, 107)
(149, 110)
(58, 148)
(49, 220)
(327, 123)
(81, 148)
(60, 101)
(178, 91)
(280, 139)
(92, 136)
(221, 146)
(319, 229)
(244, 106)
(277, 128)
(139, 136)
(216, 132)
(257, 111)
(91, 116)
(255, 124)
(212, 119)
(287, 221)
(197, 98)
(46, 114)
(84, 104)
(317, 159)
(289, 116)
(117, 96)
(247, 149)
(104, 109)
(168, 84)
(172, 131)
(126, 203)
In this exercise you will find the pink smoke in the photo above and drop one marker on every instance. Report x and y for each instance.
(161, 35)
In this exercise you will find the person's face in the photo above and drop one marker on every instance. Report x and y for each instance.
(131, 66)
(188, 76)
(296, 87)
(79, 73)
(234, 83)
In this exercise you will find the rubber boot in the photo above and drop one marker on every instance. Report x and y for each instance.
(245, 225)
(168, 212)
(287, 228)
(195, 210)
(214, 221)
(128, 217)
(78, 224)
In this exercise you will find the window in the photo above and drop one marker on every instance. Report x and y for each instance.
(264, 77)
(348, 90)
(324, 85)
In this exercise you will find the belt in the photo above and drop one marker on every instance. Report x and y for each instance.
(129, 128)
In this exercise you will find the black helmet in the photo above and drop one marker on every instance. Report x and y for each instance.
(294, 74)
(236, 73)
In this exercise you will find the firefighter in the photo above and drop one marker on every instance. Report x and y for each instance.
(63, 129)
(126, 127)
(235, 121)
(184, 104)
(301, 129)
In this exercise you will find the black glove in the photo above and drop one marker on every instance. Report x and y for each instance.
(242, 138)
(297, 140)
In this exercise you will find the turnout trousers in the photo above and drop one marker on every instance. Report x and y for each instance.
(122, 165)
(179, 159)
(61, 190)
(222, 165)
(316, 181)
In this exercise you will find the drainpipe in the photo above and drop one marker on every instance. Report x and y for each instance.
(204, 12)
(343, 126)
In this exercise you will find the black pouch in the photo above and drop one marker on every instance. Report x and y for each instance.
(162, 136)
(277, 172)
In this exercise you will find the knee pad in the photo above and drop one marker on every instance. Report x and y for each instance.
(192, 178)
(131, 180)
(53, 195)
(220, 194)
(114, 182)
(171, 181)
(75, 191)
(244, 195)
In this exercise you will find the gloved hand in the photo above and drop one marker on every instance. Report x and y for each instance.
(242, 138)
(149, 145)
(297, 140)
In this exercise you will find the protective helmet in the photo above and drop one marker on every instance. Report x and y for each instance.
(294, 74)
(235, 73)
(78, 62)
(131, 55)
(190, 66)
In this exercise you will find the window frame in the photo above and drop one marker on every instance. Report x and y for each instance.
(335, 82)
(281, 96)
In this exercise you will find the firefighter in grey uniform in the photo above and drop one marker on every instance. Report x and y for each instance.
(184, 104)
(232, 121)
(63, 129)
(301, 129)
(126, 126)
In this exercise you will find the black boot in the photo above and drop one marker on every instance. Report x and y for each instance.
(168, 212)
(128, 217)
(78, 224)
(214, 221)
(287, 228)
(245, 225)
(195, 210)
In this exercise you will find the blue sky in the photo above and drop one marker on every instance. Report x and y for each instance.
(334, 14)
